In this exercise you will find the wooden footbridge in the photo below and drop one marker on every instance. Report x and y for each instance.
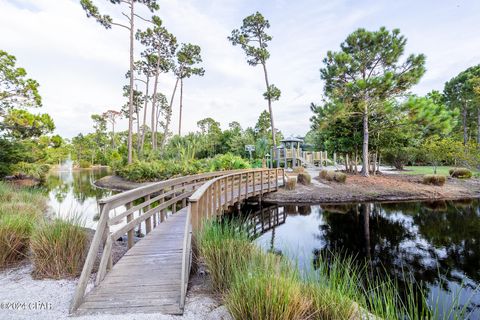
(153, 274)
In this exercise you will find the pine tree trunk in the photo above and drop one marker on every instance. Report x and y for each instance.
(464, 123)
(130, 104)
(167, 120)
(478, 126)
(142, 143)
(154, 104)
(274, 140)
(365, 164)
(181, 107)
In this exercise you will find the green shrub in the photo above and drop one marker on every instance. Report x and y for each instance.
(434, 179)
(84, 164)
(461, 173)
(229, 161)
(30, 170)
(304, 178)
(58, 249)
(291, 183)
(15, 230)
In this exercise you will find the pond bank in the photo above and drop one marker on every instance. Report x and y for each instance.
(385, 187)
(117, 183)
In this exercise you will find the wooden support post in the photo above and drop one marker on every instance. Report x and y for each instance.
(174, 205)
(209, 203)
(130, 232)
(239, 196)
(232, 191)
(225, 192)
(184, 200)
(162, 211)
(148, 221)
(247, 176)
(194, 208)
(261, 183)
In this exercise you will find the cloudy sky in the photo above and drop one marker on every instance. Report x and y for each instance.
(81, 66)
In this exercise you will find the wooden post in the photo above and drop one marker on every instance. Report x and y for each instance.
(184, 200)
(148, 221)
(209, 202)
(194, 208)
(261, 182)
(162, 211)
(225, 191)
(232, 191)
(130, 232)
(246, 184)
(239, 196)
(174, 205)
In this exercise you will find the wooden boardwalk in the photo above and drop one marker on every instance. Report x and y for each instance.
(147, 278)
(152, 276)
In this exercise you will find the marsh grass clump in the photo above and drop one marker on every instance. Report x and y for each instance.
(304, 178)
(225, 249)
(58, 248)
(331, 175)
(15, 231)
(434, 179)
(298, 170)
(460, 173)
(291, 183)
(265, 292)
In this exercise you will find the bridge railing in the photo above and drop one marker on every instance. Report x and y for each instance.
(145, 206)
(216, 195)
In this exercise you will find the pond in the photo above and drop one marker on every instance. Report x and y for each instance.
(72, 193)
(437, 242)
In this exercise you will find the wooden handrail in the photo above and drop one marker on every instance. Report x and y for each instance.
(206, 202)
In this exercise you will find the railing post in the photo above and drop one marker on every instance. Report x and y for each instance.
(184, 200)
(174, 205)
(194, 210)
(130, 232)
(225, 192)
(148, 221)
(209, 202)
(90, 260)
(261, 182)
(162, 211)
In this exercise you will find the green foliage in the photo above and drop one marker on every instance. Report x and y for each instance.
(461, 173)
(399, 157)
(59, 249)
(434, 179)
(15, 230)
(442, 151)
(16, 91)
(229, 162)
(30, 170)
(22, 124)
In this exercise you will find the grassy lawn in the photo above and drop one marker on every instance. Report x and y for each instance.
(428, 170)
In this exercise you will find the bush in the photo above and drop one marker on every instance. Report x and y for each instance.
(434, 179)
(304, 178)
(59, 249)
(30, 170)
(461, 173)
(291, 183)
(299, 170)
(330, 175)
(84, 164)
(229, 161)
(15, 230)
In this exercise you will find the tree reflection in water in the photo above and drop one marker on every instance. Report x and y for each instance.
(437, 243)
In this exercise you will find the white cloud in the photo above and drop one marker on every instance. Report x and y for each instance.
(81, 66)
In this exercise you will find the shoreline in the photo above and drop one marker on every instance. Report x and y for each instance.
(380, 188)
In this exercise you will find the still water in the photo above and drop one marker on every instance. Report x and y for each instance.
(438, 243)
(72, 194)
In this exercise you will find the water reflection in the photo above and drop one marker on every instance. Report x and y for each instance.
(436, 242)
(73, 193)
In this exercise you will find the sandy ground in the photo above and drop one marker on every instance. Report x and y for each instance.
(50, 299)
(384, 187)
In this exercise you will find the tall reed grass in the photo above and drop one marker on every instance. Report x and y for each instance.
(261, 285)
(15, 231)
(58, 248)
